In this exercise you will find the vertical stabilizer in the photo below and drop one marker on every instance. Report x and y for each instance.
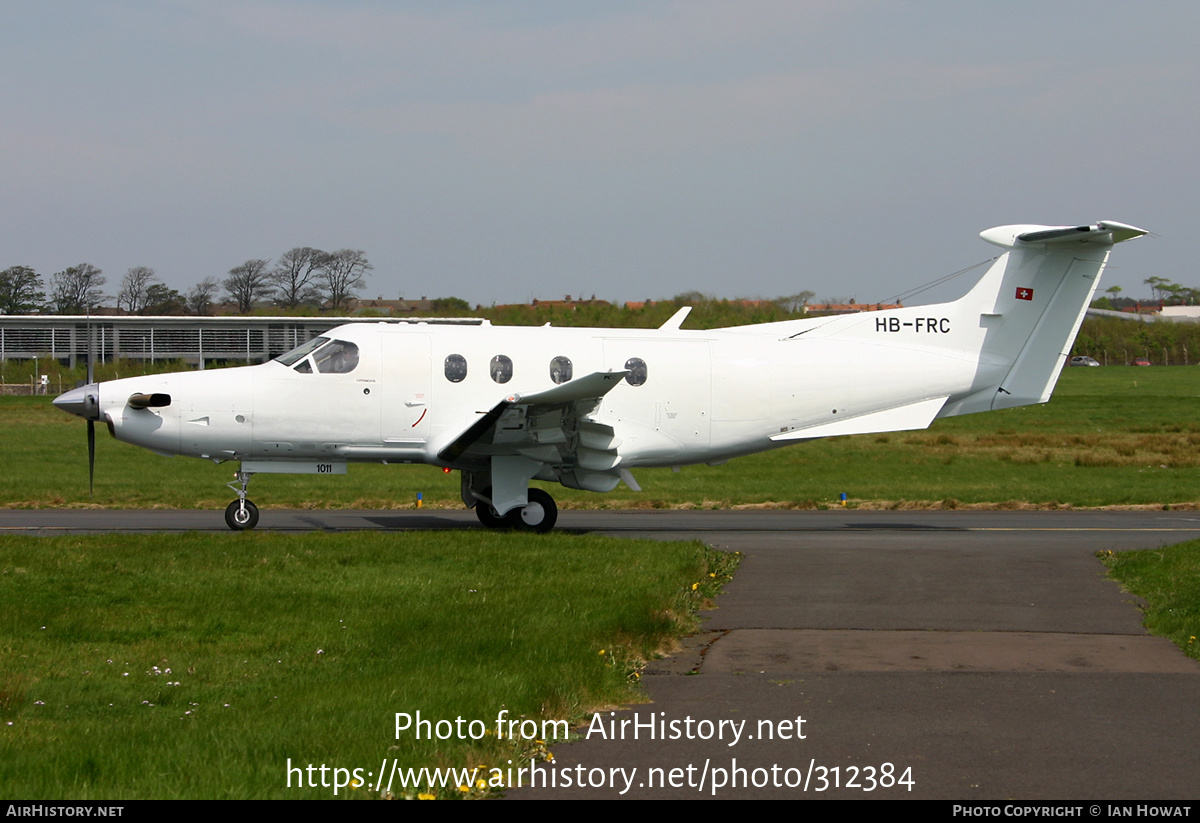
(1031, 303)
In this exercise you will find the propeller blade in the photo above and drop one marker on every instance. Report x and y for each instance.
(91, 421)
(90, 376)
(91, 457)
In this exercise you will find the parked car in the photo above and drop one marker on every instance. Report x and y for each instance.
(1141, 361)
(1084, 360)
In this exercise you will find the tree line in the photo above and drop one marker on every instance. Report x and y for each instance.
(301, 277)
(308, 277)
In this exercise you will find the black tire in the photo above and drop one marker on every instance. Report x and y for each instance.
(539, 515)
(487, 515)
(240, 519)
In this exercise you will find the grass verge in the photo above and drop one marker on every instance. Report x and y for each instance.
(196, 666)
(1168, 581)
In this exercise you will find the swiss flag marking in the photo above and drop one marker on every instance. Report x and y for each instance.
(1024, 293)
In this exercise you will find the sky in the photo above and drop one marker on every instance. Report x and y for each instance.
(506, 151)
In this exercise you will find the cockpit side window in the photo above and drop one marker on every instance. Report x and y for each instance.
(339, 357)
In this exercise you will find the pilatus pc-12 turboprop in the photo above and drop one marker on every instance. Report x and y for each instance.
(586, 407)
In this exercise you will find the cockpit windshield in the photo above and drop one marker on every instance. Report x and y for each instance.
(329, 356)
(301, 351)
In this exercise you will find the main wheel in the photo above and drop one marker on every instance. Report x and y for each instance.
(538, 515)
(240, 518)
(487, 515)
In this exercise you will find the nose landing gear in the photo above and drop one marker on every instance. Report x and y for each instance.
(241, 514)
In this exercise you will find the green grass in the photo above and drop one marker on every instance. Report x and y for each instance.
(197, 665)
(305, 647)
(1110, 436)
(1168, 580)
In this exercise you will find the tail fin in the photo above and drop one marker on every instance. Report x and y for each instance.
(1030, 305)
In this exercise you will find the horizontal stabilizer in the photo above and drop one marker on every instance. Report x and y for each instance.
(901, 418)
(1105, 232)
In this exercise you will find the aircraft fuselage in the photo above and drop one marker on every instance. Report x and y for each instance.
(705, 395)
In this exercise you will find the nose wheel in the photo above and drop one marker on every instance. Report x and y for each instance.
(241, 515)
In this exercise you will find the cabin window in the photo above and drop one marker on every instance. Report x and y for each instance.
(456, 368)
(561, 369)
(637, 371)
(501, 368)
(339, 357)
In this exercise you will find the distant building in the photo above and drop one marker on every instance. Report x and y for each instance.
(1181, 312)
(809, 308)
(390, 308)
(194, 340)
(567, 302)
(848, 308)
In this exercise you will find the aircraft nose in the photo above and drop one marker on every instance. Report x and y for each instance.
(83, 402)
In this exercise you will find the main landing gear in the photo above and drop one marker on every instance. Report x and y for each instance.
(241, 514)
(538, 515)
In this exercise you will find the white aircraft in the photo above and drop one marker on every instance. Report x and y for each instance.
(584, 407)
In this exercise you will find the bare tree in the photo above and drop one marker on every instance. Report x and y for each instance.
(76, 290)
(342, 272)
(248, 283)
(201, 296)
(20, 290)
(295, 276)
(134, 285)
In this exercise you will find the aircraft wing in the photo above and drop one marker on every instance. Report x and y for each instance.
(551, 428)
